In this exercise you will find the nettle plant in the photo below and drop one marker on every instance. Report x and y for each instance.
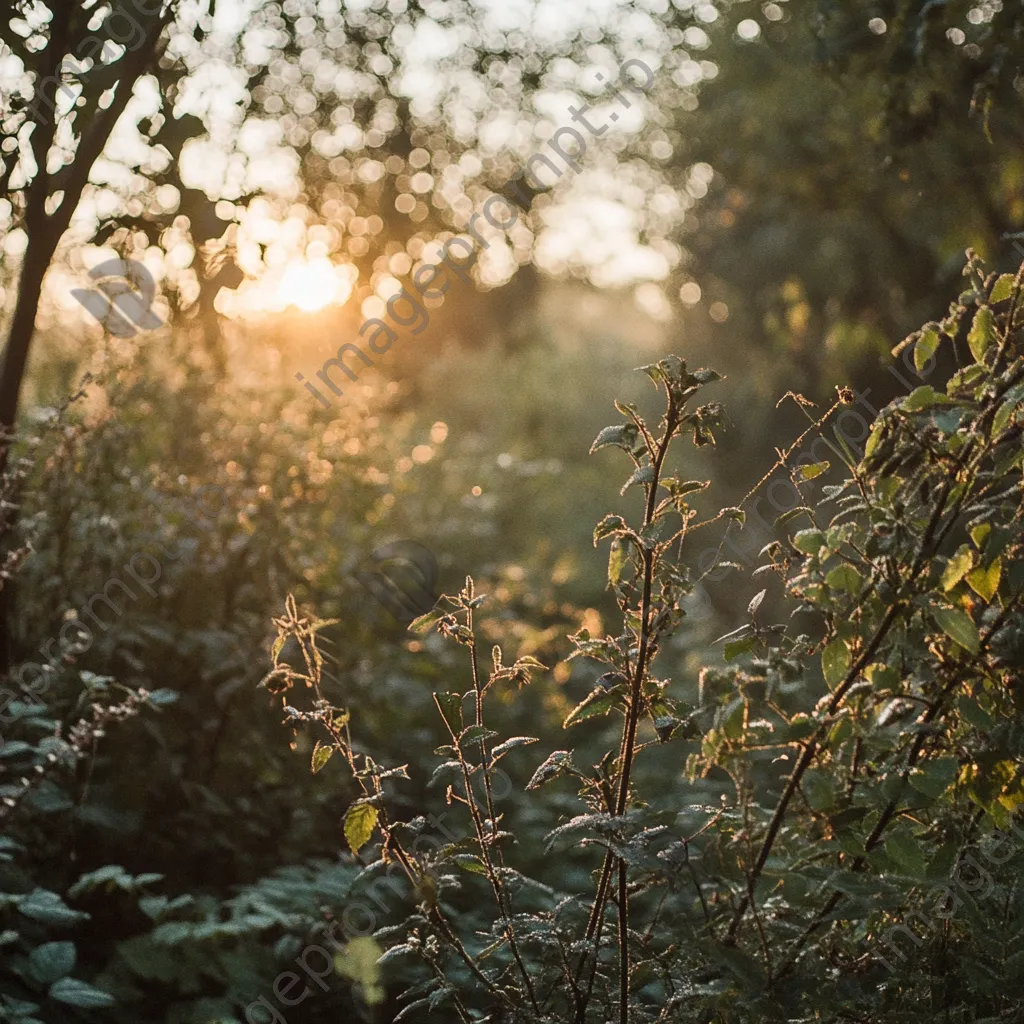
(838, 766)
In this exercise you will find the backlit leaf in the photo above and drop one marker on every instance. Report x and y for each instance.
(360, 821)
(959, 627)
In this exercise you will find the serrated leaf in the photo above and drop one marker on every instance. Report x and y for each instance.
(360, 821)
(958, 566)
(835, 662)
(321, 755)
(608, 525)
(982, 334)
(556, 764)
(598, 702)
(985, 582)
(642, 475)
(925, 348)
(959, 627)
(475, 733)
(515, 741)
(622, 435)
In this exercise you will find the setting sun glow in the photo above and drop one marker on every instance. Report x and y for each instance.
(311, 285)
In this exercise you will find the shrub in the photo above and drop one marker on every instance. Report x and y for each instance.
(857, 751)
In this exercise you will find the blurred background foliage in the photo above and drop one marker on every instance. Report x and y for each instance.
(791, 196)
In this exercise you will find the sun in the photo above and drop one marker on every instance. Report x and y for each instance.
(311, 284)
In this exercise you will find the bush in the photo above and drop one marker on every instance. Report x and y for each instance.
(840, 766)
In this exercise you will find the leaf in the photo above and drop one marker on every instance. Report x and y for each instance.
(679, 490)
(78, 993)
(598, 702)
(979, 533)
(515, 741)
(816, 469)
(557, 763)
(959, 627)
(982, 334)
(934, 777)
(1002, 289)
(643, 475)
(735, 513)
(844, 577)
(925, 348)
(835, 662)
(985, 582)
(48, 907)
(321, 755)
(608, 525)
(450, 706)
(808, 541)
(471, 863)
(360, 821)
(792, 514)
(424, 622)
(622, 435)
(923, 398)
(734, 648)
(475, 733)
(616, 562)
(51, 961)
(755, 602)
(958, 566)
(906, 852)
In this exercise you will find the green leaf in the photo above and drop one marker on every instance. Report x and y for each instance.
(1002, 289)
(817, 788)
(792, 514)
(515, 741)
(78, 993)
(844, 577)
(985, 582)
(905, 851)
(734, 648)
(557, 763)
(471, 863)
(48, 907)
(934, 777)
(450, 706)
(598, 702)
(808, 541)
(925, 348)
(958, 566)
(360, 821)
(321, 755)
(475, 733)
(617, 558)
(813, 470)
(424, 622)
(835, 662)
(982, 334)
(608, 525)
(623, 435)
(52, 960)
(923, 398)
(643, 475)
(959, 627)
(979, 533)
